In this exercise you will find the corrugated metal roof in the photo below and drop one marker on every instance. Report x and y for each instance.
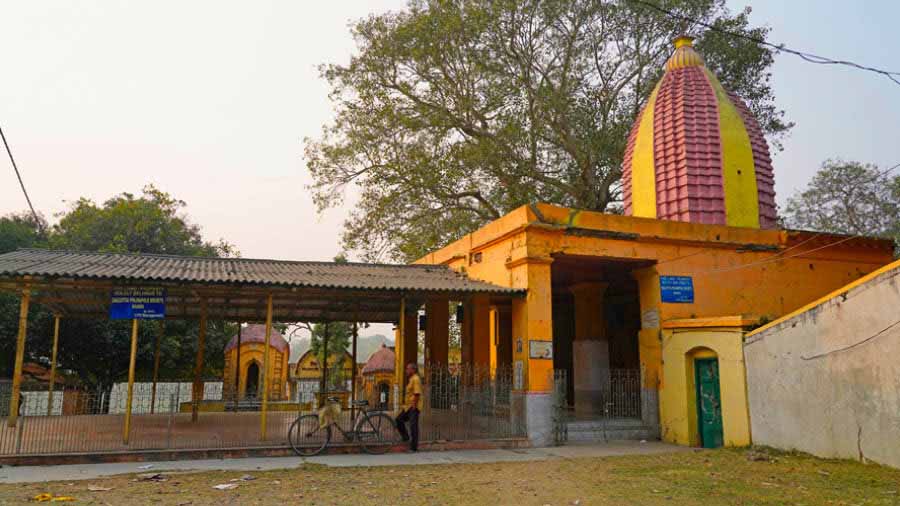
(206, 270)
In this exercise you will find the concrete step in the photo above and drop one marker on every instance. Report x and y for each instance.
(615, 429)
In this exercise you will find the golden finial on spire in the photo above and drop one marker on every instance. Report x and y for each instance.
(684, 55)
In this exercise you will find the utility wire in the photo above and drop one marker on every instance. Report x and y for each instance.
(37, 221)
(812, 58)
(781, 254)
(854, 345)
(776, 257)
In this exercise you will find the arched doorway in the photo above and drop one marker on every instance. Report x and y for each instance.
(707, 397)
(251, 389)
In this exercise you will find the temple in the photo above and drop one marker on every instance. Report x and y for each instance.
(635, 323)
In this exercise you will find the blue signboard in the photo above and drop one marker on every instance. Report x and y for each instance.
(137, 303)
(678, 289)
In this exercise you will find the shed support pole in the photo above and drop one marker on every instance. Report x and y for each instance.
(237, 369)
(130, 398)
(398, 349)
(353, 374)
(53, 365)
(265, 371)
(159, 336)
(197, 391)
(323, 382)
(20, 357)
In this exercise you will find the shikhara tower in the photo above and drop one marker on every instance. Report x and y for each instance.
(696, 153)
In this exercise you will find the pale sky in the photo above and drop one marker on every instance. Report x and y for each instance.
(210, 101)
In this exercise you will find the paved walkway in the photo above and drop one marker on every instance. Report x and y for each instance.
(28, 474)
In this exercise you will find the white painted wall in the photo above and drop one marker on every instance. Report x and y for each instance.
(827, 381)
(168, 396)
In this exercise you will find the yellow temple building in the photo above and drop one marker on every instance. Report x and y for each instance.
(377, 379)
(247, 358)
(306, 378)
(661, 295)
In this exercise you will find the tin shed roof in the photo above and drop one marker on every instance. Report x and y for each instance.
(80, 283)
(145, 267)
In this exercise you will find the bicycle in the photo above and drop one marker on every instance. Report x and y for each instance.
(310, 434)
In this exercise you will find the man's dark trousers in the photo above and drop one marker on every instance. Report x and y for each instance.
(411, 416)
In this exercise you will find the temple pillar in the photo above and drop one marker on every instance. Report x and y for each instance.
(437, 333)
(410, 336)
(650, 345)
(481, 333)
(532, 325)
(590, 349)
(504, 346)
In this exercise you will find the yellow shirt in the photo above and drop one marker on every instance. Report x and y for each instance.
(413, 387)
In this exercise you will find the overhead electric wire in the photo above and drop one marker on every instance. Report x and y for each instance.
(37, 221)
(775, 258)
(812, 58)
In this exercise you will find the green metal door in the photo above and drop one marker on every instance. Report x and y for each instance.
(709, 402)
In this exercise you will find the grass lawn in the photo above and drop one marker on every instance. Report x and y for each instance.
(707, 478)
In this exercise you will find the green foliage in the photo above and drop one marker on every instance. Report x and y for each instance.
(98, 350)
(454, 113)
(17, 231)
(151, 223)
(20, 230)
(340, 335)
(848, 197)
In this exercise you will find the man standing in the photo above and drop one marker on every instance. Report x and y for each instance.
(412, 408)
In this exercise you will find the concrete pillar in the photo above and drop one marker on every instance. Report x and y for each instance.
(465, 335)
(532, 320)
(504, 338)
(650, 345)
(411, 335)
(590, 349)
(437, 333)
(481, 333)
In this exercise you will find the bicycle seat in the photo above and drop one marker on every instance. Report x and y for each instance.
(333, 399)
(362, 402)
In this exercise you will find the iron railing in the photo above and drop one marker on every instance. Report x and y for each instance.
(620, 398)
(459, 404)
(560, 406)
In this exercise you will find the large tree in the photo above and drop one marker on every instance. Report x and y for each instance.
(98, 350)
(18, 230)
(452, 113)
(849, 198)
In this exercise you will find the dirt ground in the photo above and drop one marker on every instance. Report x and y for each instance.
(709, 478)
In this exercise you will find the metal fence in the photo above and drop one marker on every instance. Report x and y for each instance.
(619, 399)
(560, 415)
(459, 404)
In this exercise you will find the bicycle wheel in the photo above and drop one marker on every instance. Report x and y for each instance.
(377, 433)
(306, 437)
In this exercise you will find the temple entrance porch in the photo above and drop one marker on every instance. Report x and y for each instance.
(597, 371)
